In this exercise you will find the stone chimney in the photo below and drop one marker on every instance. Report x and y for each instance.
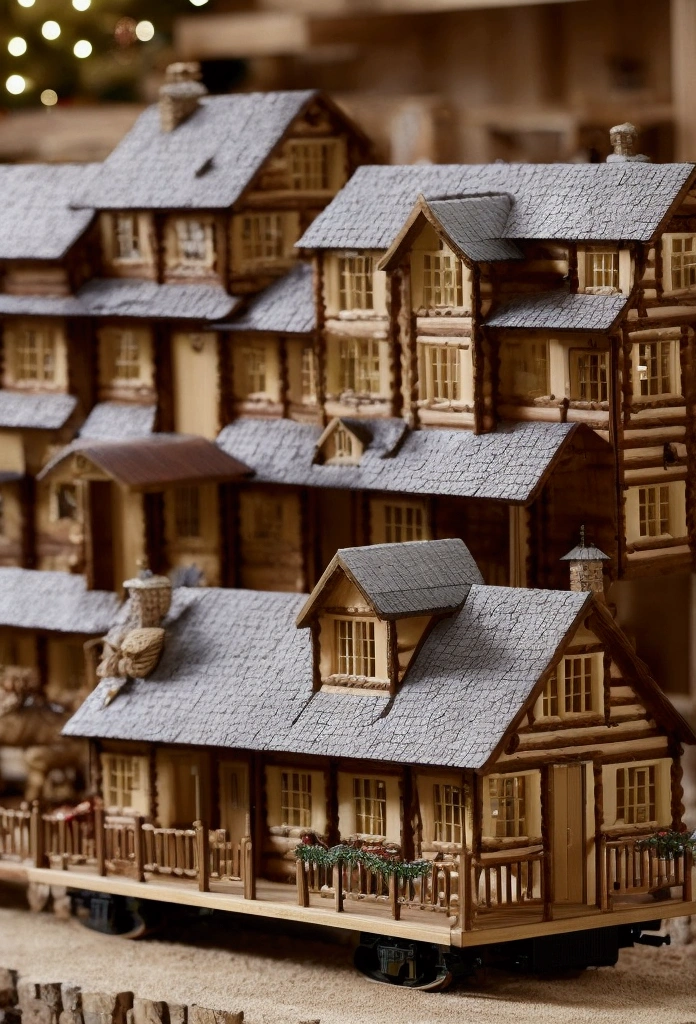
(150, 598)
(624, 138)
(180, 94)
(586, 569)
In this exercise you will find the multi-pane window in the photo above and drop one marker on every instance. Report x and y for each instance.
(508, 805)
(34, 356)
(683, 263)
(403, 522)
(370, 801)
(653, 510)
(442, 280)
(602, 269)
(254, 370)
(654, 369)
(263, 237)
(590, 376)
(571, 691)
(126, 237)
(187, 511)
(343, 445)
(440, 373)
(126, 356)
(121, 780)
(296, 799)
(355, 647)
(635, 795)
(359, 368)
(355, 282)
(524, 368)
(65, 501)
(447, 814)
(308, 375)
(311, 164)
(194, 241)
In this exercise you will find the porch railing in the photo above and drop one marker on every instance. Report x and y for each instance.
(509, 880)
(630, 869)
(68, 840)
(15, 833)
(170, 851)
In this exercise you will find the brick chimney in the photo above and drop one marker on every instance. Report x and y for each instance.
(586, 568)
(624, 138)
(150, 598)
(180, 94)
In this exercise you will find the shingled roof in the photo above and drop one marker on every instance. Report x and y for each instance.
(250, 686)
(118, 421)
(509, 464)
(54, 601)
(286, 306)
(113, 298)
(476, 226)
(205, 163)
(32, 411)
(37, 221)
(608, 201)
(559, 310)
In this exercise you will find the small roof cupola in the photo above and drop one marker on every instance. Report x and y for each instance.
(180, 94)
(624, 138)
(586, 567)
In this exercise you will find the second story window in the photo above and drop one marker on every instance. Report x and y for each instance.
(589, 376)
(187, 512)
(654, 368)
(359, 366)
(354, 645)
(296, 799)
(254, 364)
(127, 237)
(602, 269)
(394, 522)
(312, 164)
(572, 690)
(682, 263)
(440, 373)
(195, 244)
(34, 356)
(263, 238)
(447, 814)
(508, 808)
(126, 356)
(653, 510)
(635, 795)
(308, 375)
(355, 282)
(442, 280)
(370, 803)
(524, 368)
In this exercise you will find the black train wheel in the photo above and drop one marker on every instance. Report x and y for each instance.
(400, 962)
(125, 916)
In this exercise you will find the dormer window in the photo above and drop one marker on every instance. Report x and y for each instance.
(338, 444)
(127, 238)
(195, 244)
(442, 280)
(344, 449)
(602, 270)
(355, 647)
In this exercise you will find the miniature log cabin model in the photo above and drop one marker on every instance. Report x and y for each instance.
(235, 348)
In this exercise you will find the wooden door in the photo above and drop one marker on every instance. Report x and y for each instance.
(234, 798)
(568, 834)
(195, 373)
(100, 560)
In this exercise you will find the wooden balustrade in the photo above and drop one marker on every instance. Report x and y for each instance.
(631, 869)
(509, 880)
(170, 851)
(225, 856)
(15, 834)
(68, 840)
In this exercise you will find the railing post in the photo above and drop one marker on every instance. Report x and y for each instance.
(688, 878)
(466, 907)
(602, 880)
(394, 896)
(249, 875)
(36, 836)
(302, 883)
(338, 886)
(99, 845)
(203, 850)
(138, 847)
(547, 885)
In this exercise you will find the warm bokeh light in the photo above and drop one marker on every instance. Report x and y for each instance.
(82, 48)
(50, 30)
(49, 97)
(199, 3)
(144, 30)
(15, 84)
(26, 3)
(81, 5)
(17, 46)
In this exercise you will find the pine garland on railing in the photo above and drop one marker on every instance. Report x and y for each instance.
(383, 864)
(669, 843)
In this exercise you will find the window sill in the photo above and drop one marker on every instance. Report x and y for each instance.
(600, 290)
(442, 311)
(664, 540)
(361, 684)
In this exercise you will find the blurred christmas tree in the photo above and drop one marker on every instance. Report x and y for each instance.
(62, 50)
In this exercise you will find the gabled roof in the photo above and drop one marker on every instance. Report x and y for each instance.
(205, 163)
(114, 297)
(424, 577)
(32, 411)
(509, 464)
(154, 460)
(54, 601)
(118, 421)
(37, 220)
(286, 306)
(610, 201)
(558, 310)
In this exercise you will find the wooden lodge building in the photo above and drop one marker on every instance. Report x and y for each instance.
(404, 704)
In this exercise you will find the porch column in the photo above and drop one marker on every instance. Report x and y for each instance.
(546, 833)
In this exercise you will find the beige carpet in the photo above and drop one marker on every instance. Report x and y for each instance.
(283, 979)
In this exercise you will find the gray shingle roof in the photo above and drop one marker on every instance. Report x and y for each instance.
(118, 421)
(205, 163)
(114, 297)
(37, 222)
(54, 601)
(251, 686)
(476, 225)
(559, 311)
(35, 411)
(286, 306)
(566, 201)
(40, 305)
(508, 464)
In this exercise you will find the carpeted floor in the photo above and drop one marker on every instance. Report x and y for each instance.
(291, 977)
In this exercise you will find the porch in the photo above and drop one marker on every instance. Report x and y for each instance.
(462, 901)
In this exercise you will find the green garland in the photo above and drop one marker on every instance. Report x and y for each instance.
(668, 843)
(352, 855)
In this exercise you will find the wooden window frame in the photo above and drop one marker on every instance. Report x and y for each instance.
(508, 792)
(515, 358)
(631, 782)
(589, 375)
(255, 370)
(561, 696)
(663, 359)
(131, 234)
(448, 813)
(33, 345)
(308, 376)
(677, 269)
(312, 164)
(204, 259)
(122, 774)
(263, 239)
(443, 279)
(359, 366)
(440, 375)
(295, 799)
(356, 282)
(354, 647)
(187, 512)
(370, 806)
(602, 270)
(654, 511)
(395, 525)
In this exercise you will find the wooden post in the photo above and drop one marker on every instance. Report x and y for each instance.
(302, 884)
(99, 847)
(546, 833)
(36, 836)
(602, 876)
(394, 897)
(249, 874)
(688, 876)
(203, 848)
(466, 892)
(600, 857)
(138, 847)
(338, 886)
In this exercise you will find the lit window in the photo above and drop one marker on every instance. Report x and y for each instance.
(524, 368)
(263, 238)
(654, 368)
(126, 356)
(127, 238)
(121, 780)
(683, 263)
(34, 356)
(355, 274)
(65, 501)
(254, 370)
(370, 800)
(308, 372)
(311, 164)
(296, 799)
(507, 803)
(653, 510)
(635, 795)
(187, 511)
(589, 376)
(355, 647)
(447, 812)
(403, 522)
(442, 280)
(602, 269)
(194, 243)
(571, 690)
(440, 373)
(359, 369)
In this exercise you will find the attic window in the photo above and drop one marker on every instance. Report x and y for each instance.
(126, 237)
(574, 689)
(311, 164)
(602, 269)
(442, 280)
(355, 647)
